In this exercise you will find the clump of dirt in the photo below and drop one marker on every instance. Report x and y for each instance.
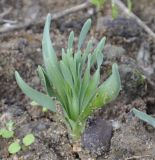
(97, 136)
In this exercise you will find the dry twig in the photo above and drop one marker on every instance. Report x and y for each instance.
(71, 10)
(137, 157)
(6, 12)
(132, 15)
(10, 27)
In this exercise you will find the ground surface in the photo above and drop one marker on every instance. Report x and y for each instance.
(127, 44)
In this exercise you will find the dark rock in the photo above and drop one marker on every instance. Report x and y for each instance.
(123, 27)
(97, 136)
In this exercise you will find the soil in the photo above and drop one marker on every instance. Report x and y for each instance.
(112, 133)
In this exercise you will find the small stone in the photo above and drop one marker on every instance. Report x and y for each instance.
(97, 136)
(121, 26)
(77, 147)
(116, 125)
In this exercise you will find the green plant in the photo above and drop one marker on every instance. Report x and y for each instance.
(28, 139)
(7, 131)
(9, 125)
(129, 4)
(98, 3)
(70, 81)
(14, 147)
(139, 78)
(114, 9)
(144, 117)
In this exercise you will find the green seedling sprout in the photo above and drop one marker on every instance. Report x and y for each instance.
(144, 117)
(129, 4)
(70, 81)
(9, 125)
(114, 9)
(98, 3)
(14, 147)
(28, 139)
(7, 132)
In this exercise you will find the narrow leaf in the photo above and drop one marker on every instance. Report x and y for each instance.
(56, 78)
(129, 3)
(114, 11)
(75, 107)
(83, 33)
(144, 117)
(98, 55)
(48, 50)
(66, 74)
(87, 51)
(85, 82)
(71, 40)
(92, 88)
(98, 3)
(44, 79)
(107, 92)
(36, 96)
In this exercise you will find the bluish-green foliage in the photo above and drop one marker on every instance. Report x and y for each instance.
(144, 117)
(70, 80)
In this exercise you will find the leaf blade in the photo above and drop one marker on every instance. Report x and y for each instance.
(14, 147)
(48, 50)
(83, 33)
(38, 97)
(144, 117)
(104, 94)
(71, 40)
(28, 139)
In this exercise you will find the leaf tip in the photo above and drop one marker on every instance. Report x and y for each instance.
(48, 17)
(16, 75)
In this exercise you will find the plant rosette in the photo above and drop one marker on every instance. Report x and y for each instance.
(16, 146)
(6, 133)
(70, 81)
(28, 139)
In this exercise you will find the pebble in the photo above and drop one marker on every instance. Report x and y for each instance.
(97, 137)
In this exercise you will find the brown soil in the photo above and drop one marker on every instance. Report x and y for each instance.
(21, 50)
